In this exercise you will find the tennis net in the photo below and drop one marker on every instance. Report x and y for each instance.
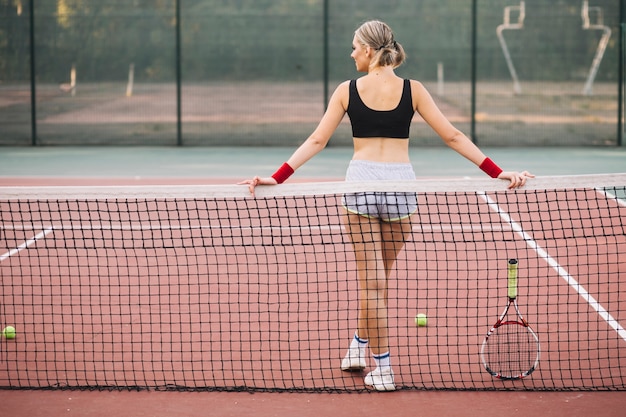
(208, 288)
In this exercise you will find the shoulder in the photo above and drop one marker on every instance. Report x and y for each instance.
(341, 95)
(418, 91)
(420, 96)
(345, 85)
(343, 89)
(417, 86)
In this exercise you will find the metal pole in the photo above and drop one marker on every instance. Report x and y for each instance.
(33, 83)
(507, 25)
(473, 70)
(179, 115)
(326, 58)
(620, 77)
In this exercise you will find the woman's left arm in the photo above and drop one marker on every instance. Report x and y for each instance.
(455, 139)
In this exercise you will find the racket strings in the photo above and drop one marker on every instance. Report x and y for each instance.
(511, 350)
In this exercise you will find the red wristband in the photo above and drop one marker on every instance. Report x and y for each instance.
(490, 168)
(285, 171)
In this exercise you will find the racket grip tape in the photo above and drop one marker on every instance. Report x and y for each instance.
(512, 278)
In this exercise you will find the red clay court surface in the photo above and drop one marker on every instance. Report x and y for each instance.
(400, 403)
(410, 403)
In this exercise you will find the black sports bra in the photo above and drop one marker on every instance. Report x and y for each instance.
(369, 123)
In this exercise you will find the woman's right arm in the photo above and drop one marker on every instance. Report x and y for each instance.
(317, 141)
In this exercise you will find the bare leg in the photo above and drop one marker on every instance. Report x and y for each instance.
(394, 235)
(376, 247)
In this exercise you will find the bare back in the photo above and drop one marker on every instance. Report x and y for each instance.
(381, 91)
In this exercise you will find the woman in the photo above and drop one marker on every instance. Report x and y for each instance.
(380, 106)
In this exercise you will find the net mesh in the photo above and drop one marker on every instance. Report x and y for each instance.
(207, 288)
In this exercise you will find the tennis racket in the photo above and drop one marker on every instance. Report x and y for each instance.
(511, 348)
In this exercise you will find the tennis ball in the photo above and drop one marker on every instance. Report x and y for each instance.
(9, 332)
(421, 320)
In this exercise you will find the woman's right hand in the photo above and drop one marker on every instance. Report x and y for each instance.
(254, 182)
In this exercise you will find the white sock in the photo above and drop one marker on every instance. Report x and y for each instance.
(358, 342)
(383, 360)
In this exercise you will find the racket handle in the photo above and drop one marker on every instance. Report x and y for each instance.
(512, 281)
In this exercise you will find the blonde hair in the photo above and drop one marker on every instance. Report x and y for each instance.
(378, 36)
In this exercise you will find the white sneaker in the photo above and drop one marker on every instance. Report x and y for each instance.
(354, 360)
(381, 380)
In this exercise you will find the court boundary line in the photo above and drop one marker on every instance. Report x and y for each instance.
(611, 196)
(26, 243)
(563, 273)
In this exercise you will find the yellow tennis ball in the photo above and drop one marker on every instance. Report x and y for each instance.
(421, 320)
(9, 332)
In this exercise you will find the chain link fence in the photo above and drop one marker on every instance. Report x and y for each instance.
(259, 72)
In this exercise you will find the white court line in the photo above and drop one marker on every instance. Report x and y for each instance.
(26, 244)
(571, 281)
(611, 196)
